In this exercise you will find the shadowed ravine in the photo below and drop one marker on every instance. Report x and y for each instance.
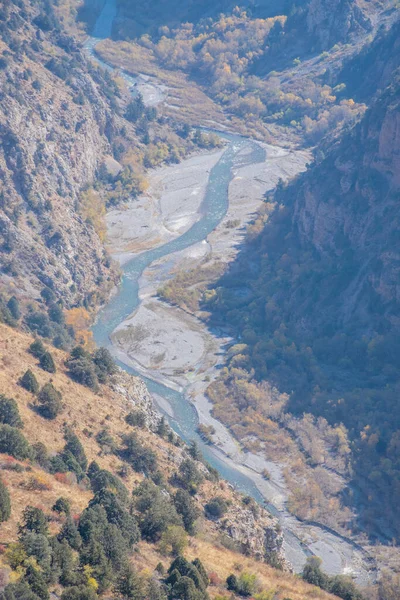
(339, 554)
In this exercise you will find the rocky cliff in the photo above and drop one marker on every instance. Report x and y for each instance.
(56, 125)
(320, 319)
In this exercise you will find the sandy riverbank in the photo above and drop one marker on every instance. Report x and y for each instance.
(175, 348)
(168, 209)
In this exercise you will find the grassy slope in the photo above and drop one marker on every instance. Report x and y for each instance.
(87, 411)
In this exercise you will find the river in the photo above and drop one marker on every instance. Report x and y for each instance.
(339, 555)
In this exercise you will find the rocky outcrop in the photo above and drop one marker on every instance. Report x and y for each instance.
(256, 533)
(136, 393)
(347, 210)
(56, 124)
(331, 22)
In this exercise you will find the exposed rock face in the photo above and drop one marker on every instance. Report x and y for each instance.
(55, 126)
(257, 535)
(373, 68)
(332, 22)
(136, 392)
(348, 205)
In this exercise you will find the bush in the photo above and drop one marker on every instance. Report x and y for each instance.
(47, 363)
(9, 413)
(104, 364)
(50, 404)
(13, 442)
(187, 509)
(75, 447)
(140, 457)
(37, 348)
(216, 508)
(62, 505)
(29, 382)
(136, 418)
(82, 370)
(5, 503)
(173, 540)
(79, 593)
(106, 441)
(13, 307)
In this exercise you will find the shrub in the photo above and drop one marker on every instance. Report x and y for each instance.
(37, 348)
(82, 370)
(9, 413)
(62, 505)
(140, 457)
(47, 363)
(50, 404)
(136, 418)
(13, 307)
(5, 503)
(186, 507)
(173, 540)
(216, 508)
(81, 592)
(13, 442)
(75, 447)
(106, 441)
(38, 483)
(104, 364)
(29, 382)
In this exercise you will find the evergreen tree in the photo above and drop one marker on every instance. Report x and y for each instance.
(29, 382)
(5, 503)
(194, 451)
(13, 307)
(186, 507)
(136, 418)
(47, 363)
(34, 520)
(185, 589)
(13, 442)
(74, 446)
(9, 413)
(37, 348)
(70, 534)
(129, 585)
(37, 582)
(80, 592)
(50, 404)
(189, 475)
(104, 364)
(62, 505)
(162, 428)
(155, 590)
(203, 573)
(56, 313)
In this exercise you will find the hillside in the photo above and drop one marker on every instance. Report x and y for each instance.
(86, 415)
(320, 316)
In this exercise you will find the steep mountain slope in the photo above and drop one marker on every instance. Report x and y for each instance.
(56, 126)
(320, 318)
(96, 424)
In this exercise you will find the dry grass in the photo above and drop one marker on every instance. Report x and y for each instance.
(87, 412)
(223, 562)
